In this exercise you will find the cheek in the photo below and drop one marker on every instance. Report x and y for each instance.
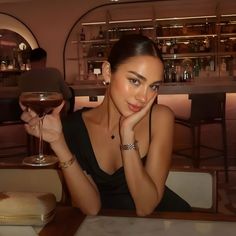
(120, 88)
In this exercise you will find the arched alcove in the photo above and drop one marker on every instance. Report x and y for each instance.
(171, 24)
(9, 22)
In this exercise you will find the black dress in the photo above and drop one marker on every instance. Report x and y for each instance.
(113, 188)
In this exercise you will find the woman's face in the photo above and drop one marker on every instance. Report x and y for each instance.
(135, 82)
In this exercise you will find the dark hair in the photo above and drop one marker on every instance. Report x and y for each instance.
(129, 46)
(37, 54)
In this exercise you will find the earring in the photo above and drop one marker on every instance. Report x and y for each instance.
(105, 83)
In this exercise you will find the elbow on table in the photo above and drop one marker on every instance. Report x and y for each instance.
(91, 211)
(144, 211)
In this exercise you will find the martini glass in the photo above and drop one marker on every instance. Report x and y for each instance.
(41, 103)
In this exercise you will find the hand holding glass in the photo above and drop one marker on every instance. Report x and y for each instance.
(41, 103)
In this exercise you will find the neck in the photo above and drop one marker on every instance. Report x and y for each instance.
(111, 117)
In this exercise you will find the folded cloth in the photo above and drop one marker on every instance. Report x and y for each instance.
(26, 208)
(19, 230)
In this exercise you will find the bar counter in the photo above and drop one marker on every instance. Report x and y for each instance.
(210, 85)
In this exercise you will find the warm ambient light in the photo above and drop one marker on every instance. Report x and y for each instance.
(185, 18)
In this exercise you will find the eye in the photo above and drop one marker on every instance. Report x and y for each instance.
(155, 87)
(134, 81)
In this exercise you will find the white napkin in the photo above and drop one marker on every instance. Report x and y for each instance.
(9, 230)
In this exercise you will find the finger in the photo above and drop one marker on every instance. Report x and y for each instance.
(27, 115)
(32, 130)
(22, 106)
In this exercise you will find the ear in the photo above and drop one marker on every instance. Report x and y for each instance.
(106, 71)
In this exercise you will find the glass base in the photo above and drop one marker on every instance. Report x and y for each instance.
(47, 160)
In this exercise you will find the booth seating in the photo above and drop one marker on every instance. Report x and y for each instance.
(198, 188)
(206, 109)
(33, 180)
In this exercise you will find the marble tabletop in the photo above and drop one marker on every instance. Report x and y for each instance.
(133, 226)
(70, 221)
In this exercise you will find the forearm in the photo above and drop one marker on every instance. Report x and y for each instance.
(141, 186)
(83, 193)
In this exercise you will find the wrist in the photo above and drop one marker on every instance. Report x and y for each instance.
(129, 146)
(58, 144)
(127, 137)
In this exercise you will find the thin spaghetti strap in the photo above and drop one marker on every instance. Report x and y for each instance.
(150, 124)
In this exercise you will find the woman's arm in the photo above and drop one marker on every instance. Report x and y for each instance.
(83, 190)
(147, 183)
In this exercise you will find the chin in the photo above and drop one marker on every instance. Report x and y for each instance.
(127, 113)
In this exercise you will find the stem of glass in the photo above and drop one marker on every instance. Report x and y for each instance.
(40, 158)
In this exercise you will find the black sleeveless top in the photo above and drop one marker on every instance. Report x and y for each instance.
(113, 188)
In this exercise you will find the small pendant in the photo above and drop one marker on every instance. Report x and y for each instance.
(112, 136)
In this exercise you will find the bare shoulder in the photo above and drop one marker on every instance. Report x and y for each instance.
(162, 121)
(160, 111)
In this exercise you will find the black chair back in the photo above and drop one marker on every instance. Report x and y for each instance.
(10, 110)
(207, 107)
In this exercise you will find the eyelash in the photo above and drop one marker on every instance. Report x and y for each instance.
(155, 87)
(136, 82)
(133, 81)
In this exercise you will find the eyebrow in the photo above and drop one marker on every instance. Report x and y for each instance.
(144, 78)
(138, 75)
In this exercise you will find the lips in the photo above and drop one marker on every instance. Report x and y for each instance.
(134, 108)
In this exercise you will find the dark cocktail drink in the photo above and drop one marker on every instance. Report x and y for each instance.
(41, 103)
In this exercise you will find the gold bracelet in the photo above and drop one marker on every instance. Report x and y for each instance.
(129, 146)
(66, 164)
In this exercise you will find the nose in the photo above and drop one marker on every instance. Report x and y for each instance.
(142, 95)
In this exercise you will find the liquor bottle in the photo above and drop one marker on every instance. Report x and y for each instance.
(178, 70)
(207, 27)
(202, 47)
(187, 75)
(167, 74)
(212, 65)
(207, 45)
(173, 73)
(164, 47)
(101, 33)
(175, 46)
(159, 46)
(159, 31)
(223, 66)
(234, 68)
(196, 69)
(82, 35)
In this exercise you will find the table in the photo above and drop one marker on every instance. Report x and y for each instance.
(68, 219)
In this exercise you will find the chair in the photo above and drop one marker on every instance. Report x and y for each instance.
(10, 116)
(206, 109)
(197, 187)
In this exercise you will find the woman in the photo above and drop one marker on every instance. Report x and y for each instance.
(118, 154)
